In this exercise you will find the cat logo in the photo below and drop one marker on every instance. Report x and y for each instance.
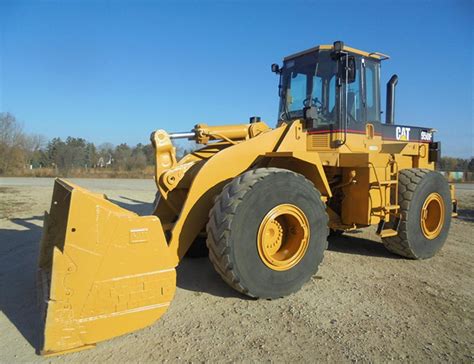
(402, 133)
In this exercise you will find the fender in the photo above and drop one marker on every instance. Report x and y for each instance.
(209, 181)
(292, 154)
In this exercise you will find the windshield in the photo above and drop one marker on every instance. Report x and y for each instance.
(309, 80)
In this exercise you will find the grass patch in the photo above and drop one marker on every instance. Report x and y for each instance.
(9, 206)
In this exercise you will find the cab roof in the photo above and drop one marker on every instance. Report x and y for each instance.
(375, 55)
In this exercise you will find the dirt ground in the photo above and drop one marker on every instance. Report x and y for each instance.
(364, 304)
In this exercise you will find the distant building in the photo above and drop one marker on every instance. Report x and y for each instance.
(102, 163)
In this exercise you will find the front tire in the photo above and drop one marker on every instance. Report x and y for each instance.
(425, 206)
(267, 232)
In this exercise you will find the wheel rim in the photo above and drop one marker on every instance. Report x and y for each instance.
(432, 216)
(283, 237)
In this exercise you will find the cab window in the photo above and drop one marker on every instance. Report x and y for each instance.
(372, 93)
(332, 93)
(354, 98)
(298, 91)
(317, 89)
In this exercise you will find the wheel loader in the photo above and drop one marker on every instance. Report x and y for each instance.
(265, 198)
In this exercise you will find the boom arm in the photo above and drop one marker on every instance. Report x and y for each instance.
(203, 133)
(168, 172)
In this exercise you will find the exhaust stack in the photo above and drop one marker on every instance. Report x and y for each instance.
(390, 108)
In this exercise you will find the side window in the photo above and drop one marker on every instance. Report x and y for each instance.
(371, 93)
(317, 93)
(369, 80)
(332, 93)
(298, 92)
(354, 101)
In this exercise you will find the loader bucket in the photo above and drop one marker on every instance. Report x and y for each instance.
(103, 271)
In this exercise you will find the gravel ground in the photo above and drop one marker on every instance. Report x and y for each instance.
(365, 304)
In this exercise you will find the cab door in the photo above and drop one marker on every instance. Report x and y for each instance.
(371, 87)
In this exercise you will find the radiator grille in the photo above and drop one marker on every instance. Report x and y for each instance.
(318, 141)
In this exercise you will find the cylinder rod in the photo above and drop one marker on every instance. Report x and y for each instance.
(183, 135)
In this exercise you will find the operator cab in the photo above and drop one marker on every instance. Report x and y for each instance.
(331, 87)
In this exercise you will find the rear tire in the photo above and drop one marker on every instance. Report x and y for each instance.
(238, 248)
(425, 206)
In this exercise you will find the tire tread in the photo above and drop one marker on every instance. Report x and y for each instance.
(220, 219)
(409, 179)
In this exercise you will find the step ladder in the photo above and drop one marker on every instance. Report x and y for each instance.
(388, 188)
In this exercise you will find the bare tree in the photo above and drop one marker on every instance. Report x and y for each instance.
(12, 144)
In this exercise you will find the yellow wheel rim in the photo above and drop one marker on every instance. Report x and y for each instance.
(432, 216)
(283, 237)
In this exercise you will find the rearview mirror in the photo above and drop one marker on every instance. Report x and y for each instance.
(276, 68)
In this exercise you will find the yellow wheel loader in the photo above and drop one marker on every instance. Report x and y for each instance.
(266, 198)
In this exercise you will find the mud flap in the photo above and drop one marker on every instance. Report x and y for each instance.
(103, 271)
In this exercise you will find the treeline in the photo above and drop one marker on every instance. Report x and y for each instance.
(23, 154)
(78, 153)
(450, 164)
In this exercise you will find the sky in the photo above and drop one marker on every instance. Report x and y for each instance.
(114, 71)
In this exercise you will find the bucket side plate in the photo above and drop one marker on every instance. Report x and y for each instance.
(103, 271)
